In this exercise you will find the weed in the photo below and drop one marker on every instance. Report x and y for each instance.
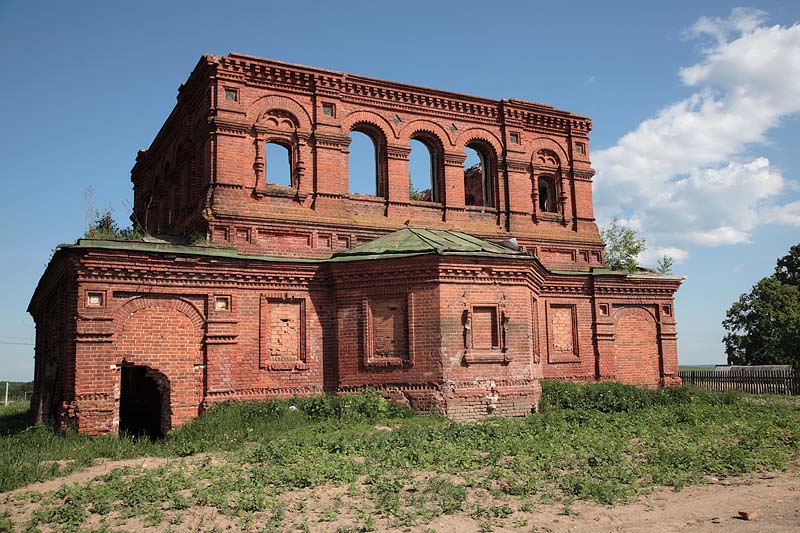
(330, 513)
(602, 442)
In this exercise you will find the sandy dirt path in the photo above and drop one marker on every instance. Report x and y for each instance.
(775, 498)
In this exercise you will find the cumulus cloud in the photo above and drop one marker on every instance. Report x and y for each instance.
(683, 177)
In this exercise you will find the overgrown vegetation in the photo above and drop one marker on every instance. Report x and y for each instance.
(624, 246)
(104, 227)
(264, 465)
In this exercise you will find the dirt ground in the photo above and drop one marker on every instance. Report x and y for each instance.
(772, 499)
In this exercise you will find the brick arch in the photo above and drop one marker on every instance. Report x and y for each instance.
(638, 358)
(425, 126)
(480, 134)
(373, 119)
(138, 303)
(164, 334)
(545, 143)
(268, 103)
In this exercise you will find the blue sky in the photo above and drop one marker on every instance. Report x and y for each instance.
(694, 107)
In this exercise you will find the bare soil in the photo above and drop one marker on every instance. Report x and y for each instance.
(772, 499)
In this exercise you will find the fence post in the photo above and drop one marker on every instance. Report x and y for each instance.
(5, 402)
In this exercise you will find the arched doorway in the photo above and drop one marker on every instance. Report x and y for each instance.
(142, 402)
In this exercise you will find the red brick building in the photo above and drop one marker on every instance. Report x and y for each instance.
(306, 287)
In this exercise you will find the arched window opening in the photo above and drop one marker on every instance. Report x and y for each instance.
(547, 195)
(365, 164)
(423, 167)
(478, 172)
(278, 164)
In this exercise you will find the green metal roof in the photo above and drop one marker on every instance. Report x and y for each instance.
(183, 249)
(415, 241)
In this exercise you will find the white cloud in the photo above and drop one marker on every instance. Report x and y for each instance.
(788, 214)
(651, 256)
(681, 177)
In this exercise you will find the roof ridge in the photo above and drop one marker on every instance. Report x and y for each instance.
(425, 240)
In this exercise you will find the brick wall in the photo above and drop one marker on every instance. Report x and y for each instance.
(466, 336)
(469, 336)
(206, 170)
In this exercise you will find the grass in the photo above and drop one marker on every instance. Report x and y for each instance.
(261, 464)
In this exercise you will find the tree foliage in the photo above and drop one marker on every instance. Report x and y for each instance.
(763, 326)
(623, 247)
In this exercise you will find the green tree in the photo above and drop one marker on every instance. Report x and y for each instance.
(623, 246)
(763, 326)
(788, 267)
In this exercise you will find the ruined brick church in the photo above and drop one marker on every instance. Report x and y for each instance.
(458, 299)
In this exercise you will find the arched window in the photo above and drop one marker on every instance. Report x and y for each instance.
(547, 194)
(478, 173)
(278, 163)
(366, 163)
(423, 167)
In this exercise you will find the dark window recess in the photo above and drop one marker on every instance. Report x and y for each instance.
(547, 195)
(231, 95)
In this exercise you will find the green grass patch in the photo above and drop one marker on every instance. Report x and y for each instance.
(603, 442)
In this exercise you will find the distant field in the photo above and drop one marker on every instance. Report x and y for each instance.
(17, 390)
(686, 368)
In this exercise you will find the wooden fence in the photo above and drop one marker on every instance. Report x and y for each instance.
(753, 381)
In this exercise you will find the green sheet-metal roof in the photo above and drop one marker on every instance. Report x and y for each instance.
(414, 241)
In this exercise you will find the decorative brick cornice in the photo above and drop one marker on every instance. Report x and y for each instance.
(165, 270)
(396, 96)
(651, 292)
(262, 392)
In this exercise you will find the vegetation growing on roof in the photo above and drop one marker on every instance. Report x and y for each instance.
(624, 246)
(104, 227)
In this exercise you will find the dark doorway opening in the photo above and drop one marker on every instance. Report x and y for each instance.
(139, 403)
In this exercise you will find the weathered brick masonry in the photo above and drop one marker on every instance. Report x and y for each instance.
(307, 287)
